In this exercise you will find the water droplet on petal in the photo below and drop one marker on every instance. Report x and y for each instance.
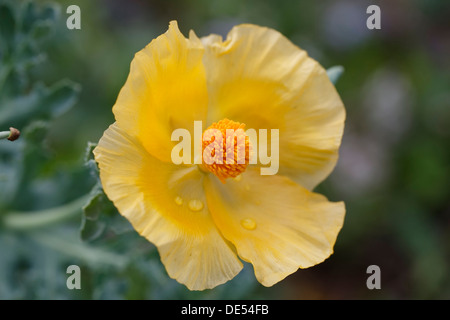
(195, 205)
(179, 201)
(248, 224)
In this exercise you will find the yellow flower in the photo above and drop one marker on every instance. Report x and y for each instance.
(200, 225)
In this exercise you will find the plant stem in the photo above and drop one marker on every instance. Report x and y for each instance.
(36, 219)
(4, 134)
(11, 135)
(76, 249)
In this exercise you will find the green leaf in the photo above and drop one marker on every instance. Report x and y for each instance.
(11, 171)
(101, 216)
(28, 58)
(32, 15)
(7, 25)
(35, 155)
(35, 133)
(90, 162)
(41, 29)
(95, 206)
(40, 104)
(28, 270)
(334, 73)
(91, 229)
(29, 15)
(88, 155)
(50, 11)
(61, 97)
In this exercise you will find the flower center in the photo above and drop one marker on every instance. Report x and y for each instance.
(225, 149)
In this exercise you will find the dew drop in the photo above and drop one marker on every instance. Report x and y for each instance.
(179, 201)
(195, 205)
(248, 224)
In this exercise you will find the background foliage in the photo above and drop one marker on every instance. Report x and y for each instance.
(58, 86)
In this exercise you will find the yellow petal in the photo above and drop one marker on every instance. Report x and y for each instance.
(310, 142)
(166, 204)
(165, 90)
(274, 223)
(258, 77)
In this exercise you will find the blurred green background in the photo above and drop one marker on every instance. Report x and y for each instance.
(58, 87)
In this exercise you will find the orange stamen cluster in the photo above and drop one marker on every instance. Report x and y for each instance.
(228, 137)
